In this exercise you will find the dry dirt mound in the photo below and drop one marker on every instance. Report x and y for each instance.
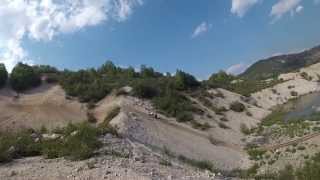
(137, 123)
(43, 106)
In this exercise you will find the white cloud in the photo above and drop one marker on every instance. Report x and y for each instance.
(284, 6)
(201, 29)
(240, 7)
(42, 20)
(123, 8)
(237, 68)
(299, 9)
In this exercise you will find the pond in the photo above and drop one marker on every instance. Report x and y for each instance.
(305, 106)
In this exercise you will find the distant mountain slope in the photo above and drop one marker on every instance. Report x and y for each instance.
(276, 65)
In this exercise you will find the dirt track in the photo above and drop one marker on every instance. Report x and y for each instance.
(281, 145)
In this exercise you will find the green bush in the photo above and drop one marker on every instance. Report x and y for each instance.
(220, 80)
(306, 76)
(173, 104)
(203, 165)
(244, 129)
(3, 75)
(75, 146)
(294, 93)
(24, 77)
(196, 125)
(237, 106)
(223, 125)
(45, 69)
(144, 90)
(184, 117)
(255, 153)
(105, 127)
(15, 145)
(184, 81)
(80, 146)
(6, 142)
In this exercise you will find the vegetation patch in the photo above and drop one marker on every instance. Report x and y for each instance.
(244, 129)
(203, 165)
(75, 142)
(237, 106)
(255, 153)
(276, 117)
(24, 77)
(196, 125)
(3, 75)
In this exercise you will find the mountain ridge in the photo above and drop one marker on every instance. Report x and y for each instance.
(275, 65)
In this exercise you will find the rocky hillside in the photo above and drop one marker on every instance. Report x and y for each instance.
(159, 127)
(271, 67)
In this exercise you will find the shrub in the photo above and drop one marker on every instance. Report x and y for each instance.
(287, 173)
(91, 118)
(165, 162)
(15, 145)
(105, 127)
(306, 76)
(274, 91)
(112, 114)
(250, 173)
(219, 110)
(184, 81)
(24, 77)
(291, 86)
(237, 106)
(214, 141)
(144, 90)
(78, 146)
(45, 69)
(220, 80)
(294, 93)
(75, 147)
(223, 126)
(200, 126)
(6, 142)
(224, 119)
(204, 165)
(255, 153)
(184, 117)
(3, 75)
(244, 129)
(87, 85)
(52, 78)
(174, 104)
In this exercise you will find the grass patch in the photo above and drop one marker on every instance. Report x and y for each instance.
(105, 126)
(203, 165)
(255, 153)
(275, 117)
(74, 146)
(196, 125)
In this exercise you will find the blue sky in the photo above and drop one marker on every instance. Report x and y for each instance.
(200, 37)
